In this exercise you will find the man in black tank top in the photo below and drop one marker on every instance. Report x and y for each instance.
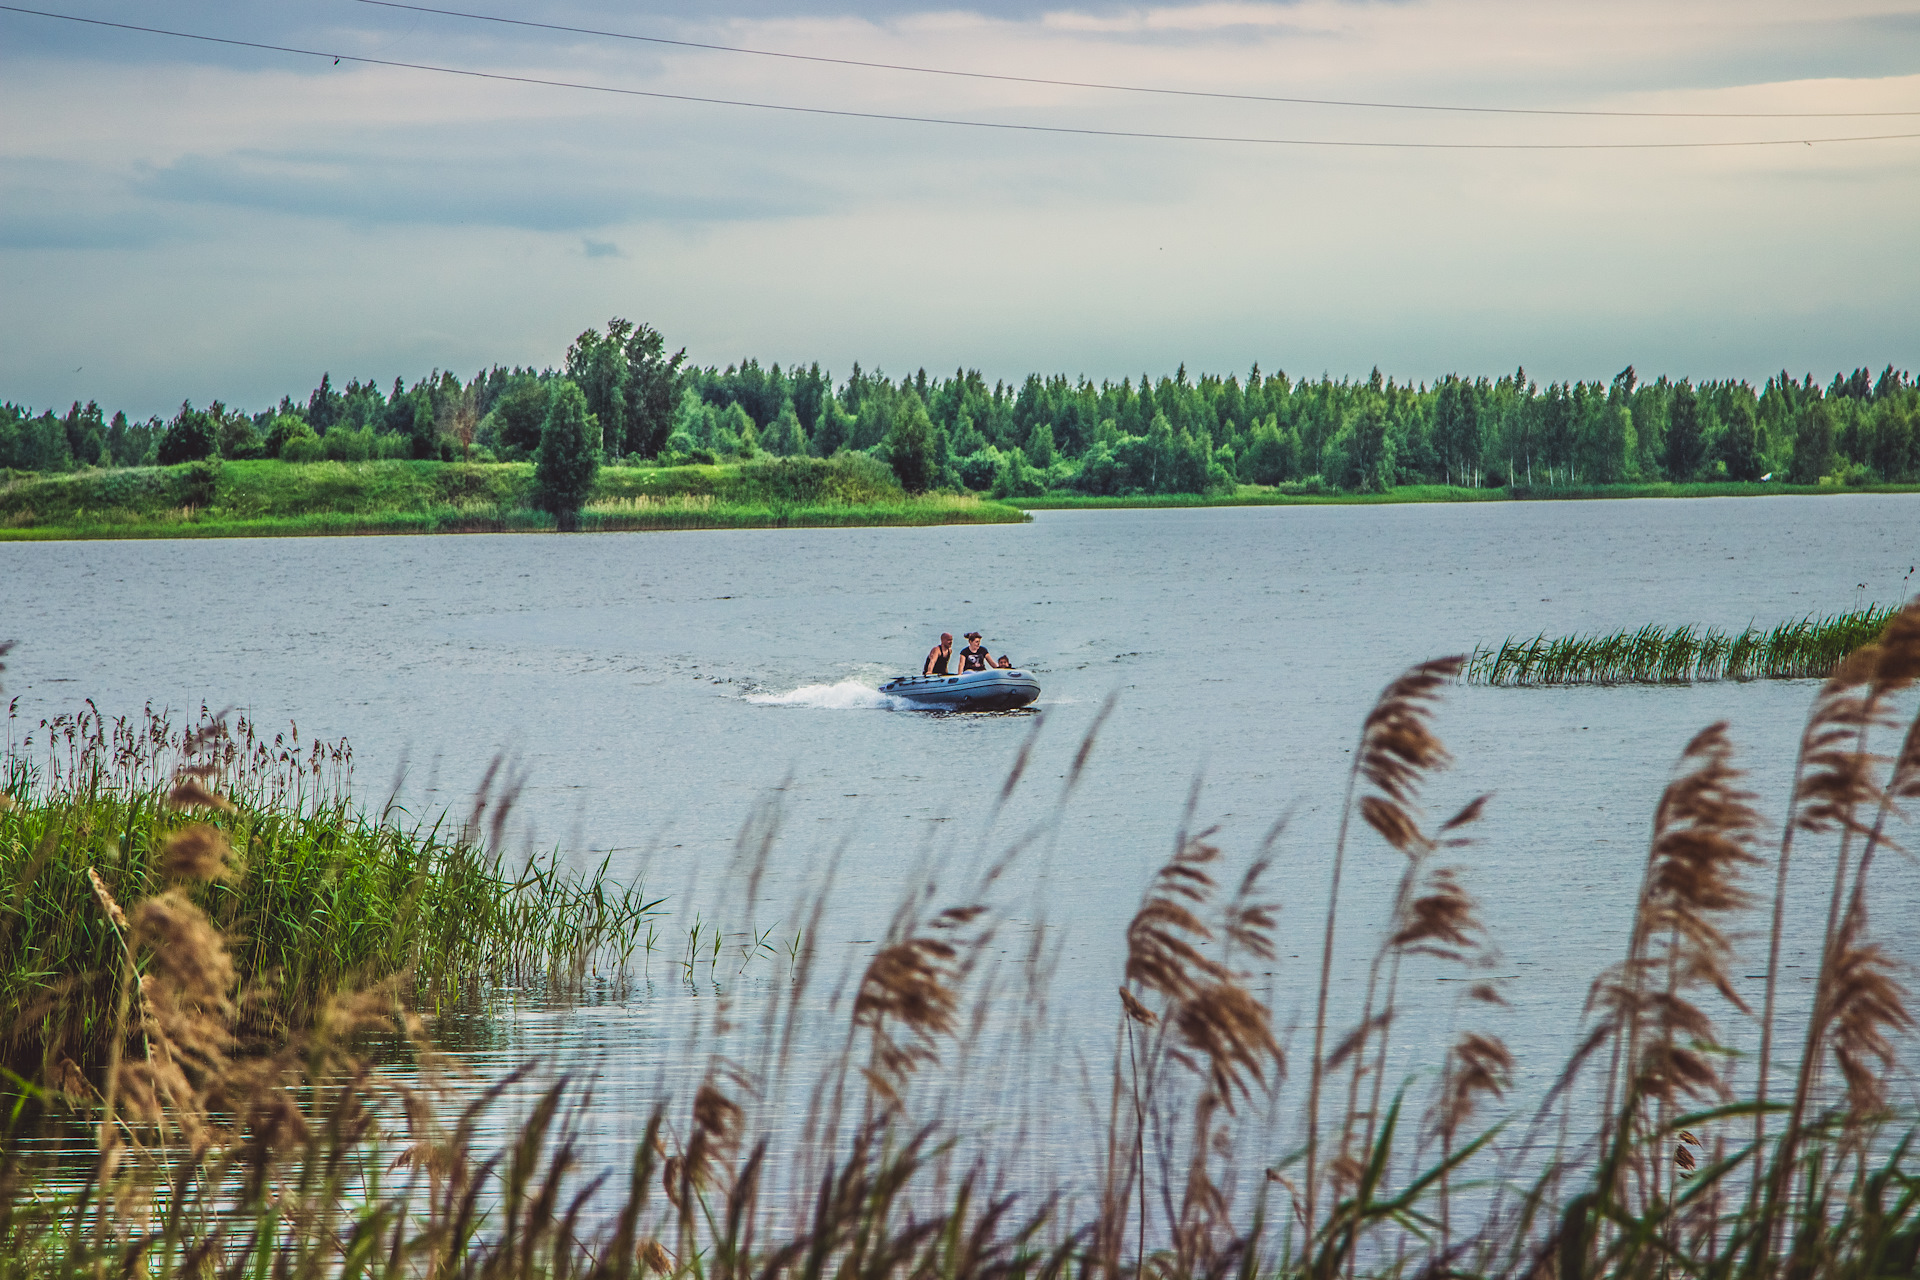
(936, 664)
(974, 657)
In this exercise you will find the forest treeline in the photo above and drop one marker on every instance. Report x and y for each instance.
(1176, 434)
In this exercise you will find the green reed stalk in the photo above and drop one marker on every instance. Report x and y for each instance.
(1809, 648)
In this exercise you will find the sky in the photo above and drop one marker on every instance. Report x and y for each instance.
(187, 220)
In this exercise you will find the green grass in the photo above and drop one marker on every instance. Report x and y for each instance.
(1809, 648)
(267, 499)
(323, 895)
(281, 499)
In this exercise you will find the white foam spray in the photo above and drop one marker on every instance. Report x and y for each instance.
(848, 695)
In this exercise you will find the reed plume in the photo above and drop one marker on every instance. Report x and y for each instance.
(1664, 1042)
(1183, 944)
(1397, 750)
(196, 852)
(908, 1000)
(1838, 792)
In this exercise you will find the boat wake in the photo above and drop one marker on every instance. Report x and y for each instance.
(848, 695)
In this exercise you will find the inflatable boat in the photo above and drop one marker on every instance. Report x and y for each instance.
(999, 689)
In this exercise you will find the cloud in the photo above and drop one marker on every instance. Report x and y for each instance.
(557, 192)
(426, 220)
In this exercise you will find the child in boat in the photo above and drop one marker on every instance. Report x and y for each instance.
(1005, 663)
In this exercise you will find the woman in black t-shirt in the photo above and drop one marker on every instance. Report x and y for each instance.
(974, 657)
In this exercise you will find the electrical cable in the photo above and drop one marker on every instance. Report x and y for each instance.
(1009, 126)
(1134, 88)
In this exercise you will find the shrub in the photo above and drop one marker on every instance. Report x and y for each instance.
(303, 446)
(282, 429)
(200, 484)
(977, 470)
(239, 438)
(913, 450)
(349, 446)
(188, 438)
(1016, 477)
(859, 478)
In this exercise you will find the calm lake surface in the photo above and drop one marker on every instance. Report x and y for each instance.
(655, 688)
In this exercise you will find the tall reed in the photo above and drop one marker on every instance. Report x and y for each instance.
(1809, 648)
(1220, 1153)
(315, 893)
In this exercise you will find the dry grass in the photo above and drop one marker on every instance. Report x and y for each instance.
(212, 1162)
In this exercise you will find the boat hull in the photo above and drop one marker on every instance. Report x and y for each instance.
(997, 690)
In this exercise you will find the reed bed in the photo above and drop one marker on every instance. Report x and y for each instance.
(1811, 648)
(314, 895)
(1658, 1152)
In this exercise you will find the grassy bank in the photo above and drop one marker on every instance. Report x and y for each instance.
(1810, 648)
(282, 499)
(253, 499)
(1252, 495)
(1209, 1150)
(262, 837)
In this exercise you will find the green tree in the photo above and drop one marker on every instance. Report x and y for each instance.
(1890, 440)
(324, 405)
(1812, 444)
(1456, 429)
(1686, 438)
(911, 450)
(1272, 455)
(1739, 443)
(632, 386)
(568, 458)
(283, 427)
(834, 428)
(237, 437)
(86, 432)
(518, 417)
(1039, 447)
(597, 364)
(300, 443)
(786, 437)
(1369, 453)
(189, 437)
(1016, 478)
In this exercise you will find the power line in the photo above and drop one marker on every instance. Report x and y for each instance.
(1134, 88)
(840, 113)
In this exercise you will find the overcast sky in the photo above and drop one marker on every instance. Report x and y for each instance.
(180, 219)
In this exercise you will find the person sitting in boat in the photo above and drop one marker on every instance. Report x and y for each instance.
(1005, 663)
(975, 656)
(937, 657)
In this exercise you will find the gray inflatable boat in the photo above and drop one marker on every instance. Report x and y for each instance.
(997, 690)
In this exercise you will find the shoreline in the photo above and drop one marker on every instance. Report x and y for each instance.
(430, 523)
(398, 499)
(1255, 496)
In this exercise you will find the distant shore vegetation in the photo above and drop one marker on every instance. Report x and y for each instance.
(216, 498)
(620, 401)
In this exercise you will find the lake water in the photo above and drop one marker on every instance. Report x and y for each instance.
(655, 687)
